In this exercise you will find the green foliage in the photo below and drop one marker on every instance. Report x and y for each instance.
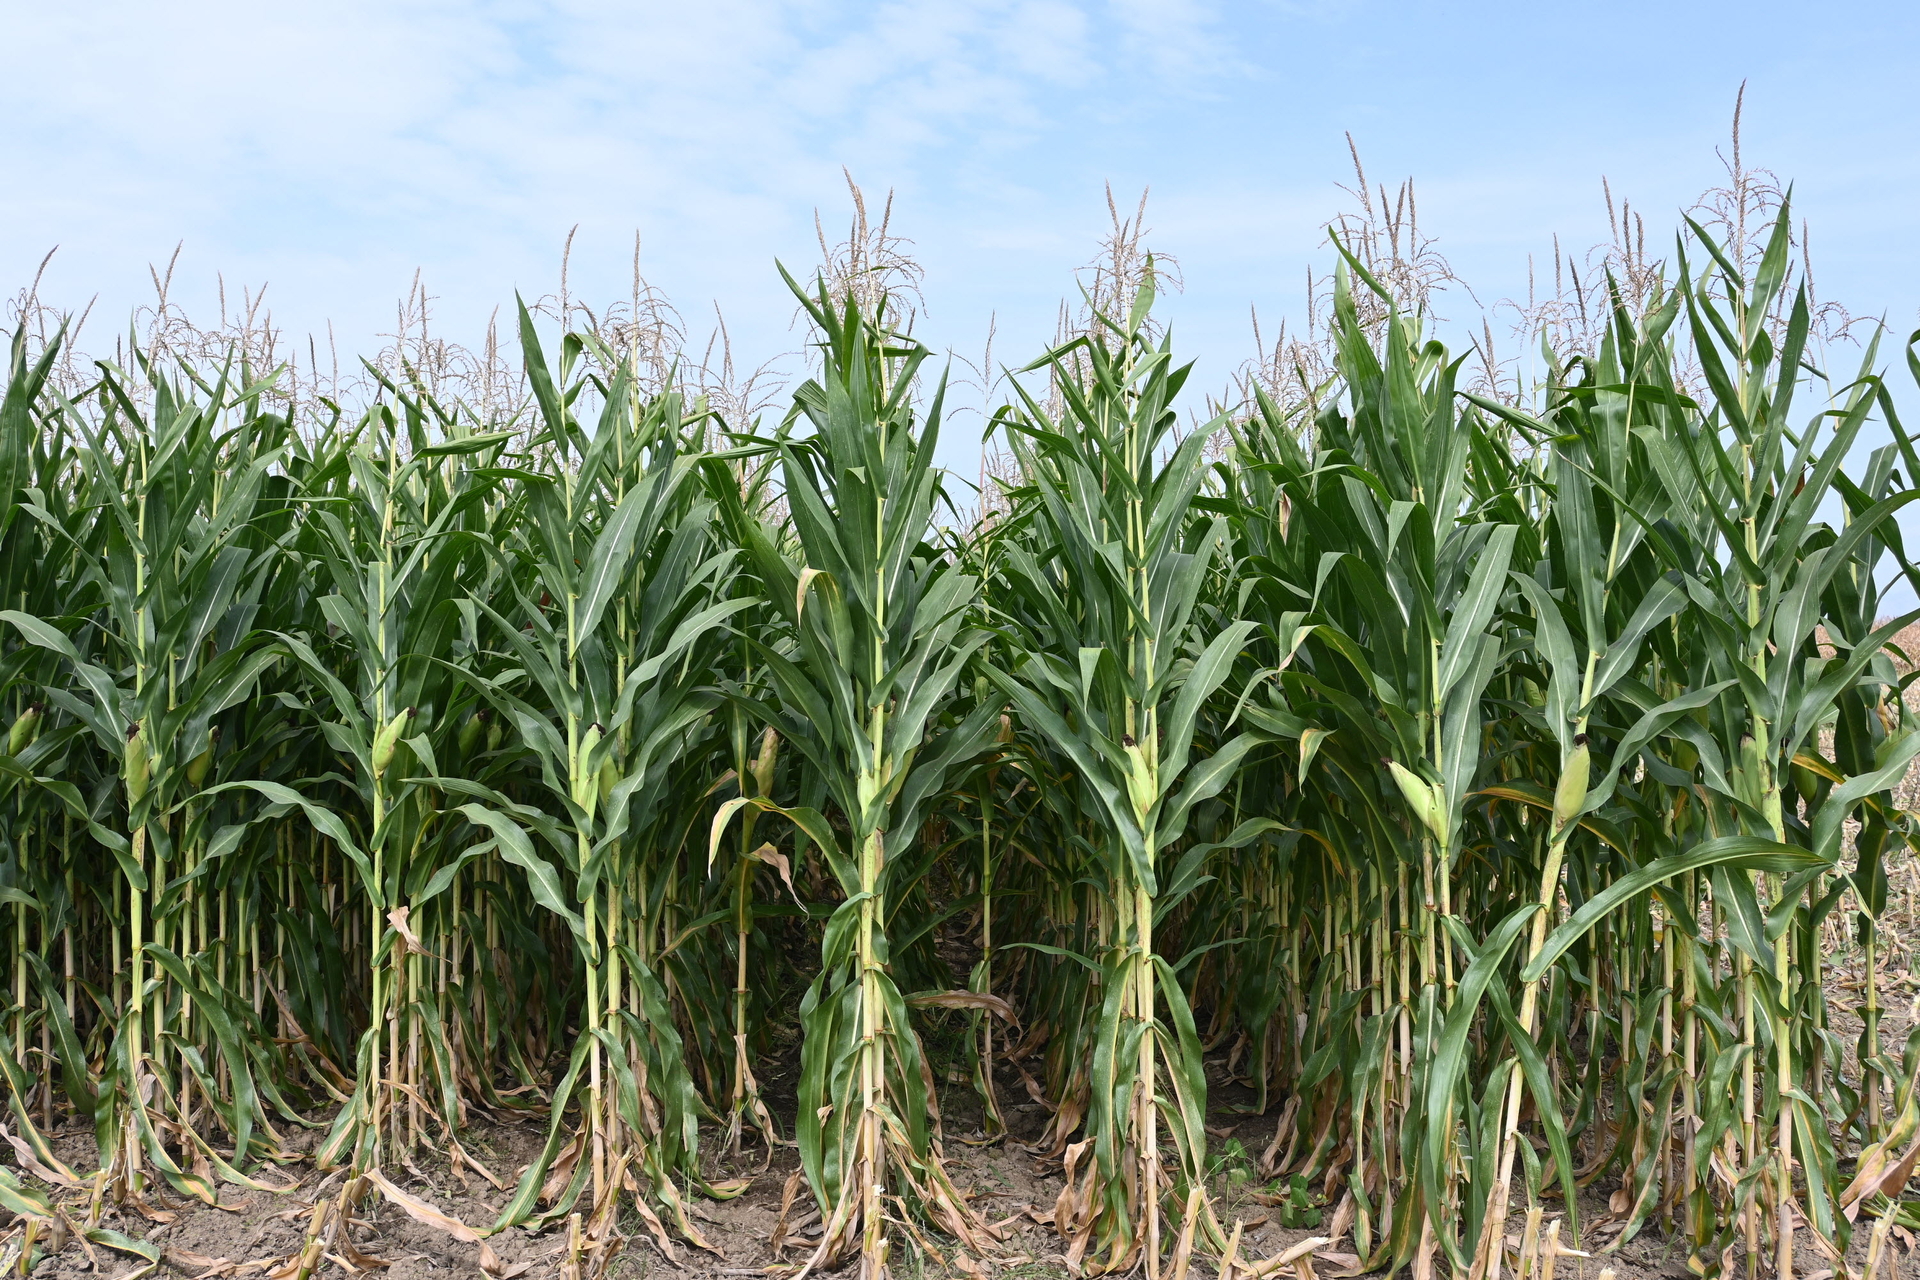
(1479, 784)
(1297, 1208)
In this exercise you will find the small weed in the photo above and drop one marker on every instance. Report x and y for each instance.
(1298, 1206)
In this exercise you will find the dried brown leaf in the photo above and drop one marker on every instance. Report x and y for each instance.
(420, 1211)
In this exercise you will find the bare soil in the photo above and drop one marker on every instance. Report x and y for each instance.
(254, 1233)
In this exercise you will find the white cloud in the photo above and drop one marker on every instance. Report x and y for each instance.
(451, 124)
(1176, 38)
(332, 148)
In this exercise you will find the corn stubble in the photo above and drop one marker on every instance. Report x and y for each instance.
(1484, 784)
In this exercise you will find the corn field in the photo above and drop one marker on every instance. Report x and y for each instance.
(1499, 792)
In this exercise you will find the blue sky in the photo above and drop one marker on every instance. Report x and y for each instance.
(329, 150)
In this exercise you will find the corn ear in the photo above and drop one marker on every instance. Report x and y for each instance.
(472, 731)
(1570, 793)
(387, 739)
(761, 766)
(136, 766)
(1420, 798)
(25, 728)
(198, 767)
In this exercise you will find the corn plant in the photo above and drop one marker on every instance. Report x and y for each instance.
(615, 650)
(1114, 673)
(1508, 787)
(881, 634)
(171, 495)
